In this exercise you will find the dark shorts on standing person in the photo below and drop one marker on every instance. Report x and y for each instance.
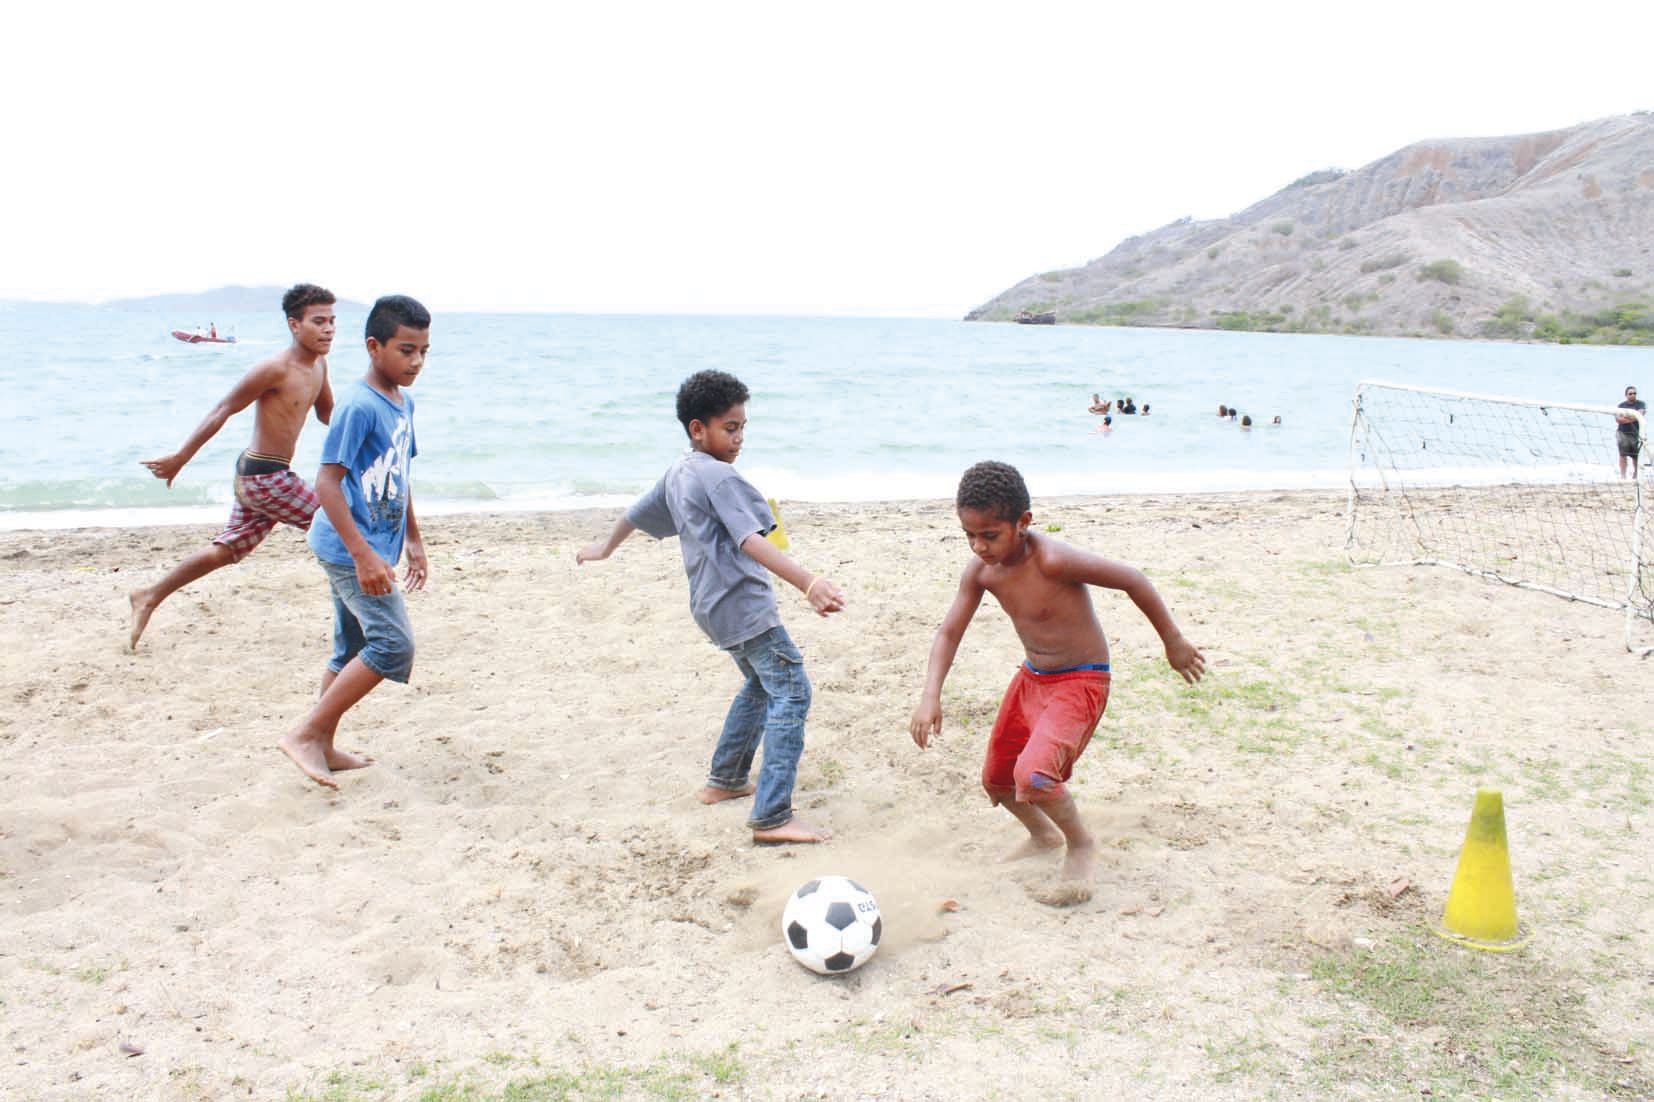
(1629, 444)
(1044, 724)
(267, 493)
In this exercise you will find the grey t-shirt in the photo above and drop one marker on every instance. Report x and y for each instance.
(711, 509)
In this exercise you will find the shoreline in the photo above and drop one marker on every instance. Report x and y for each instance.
(207, 515)
(195, 517)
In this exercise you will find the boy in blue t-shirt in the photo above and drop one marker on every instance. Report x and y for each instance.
(721, 522)
(366, 522)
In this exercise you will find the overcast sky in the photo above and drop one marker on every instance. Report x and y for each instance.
(844, 158)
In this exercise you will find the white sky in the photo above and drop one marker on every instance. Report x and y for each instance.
(882, 158)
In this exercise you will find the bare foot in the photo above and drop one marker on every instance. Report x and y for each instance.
(1063, 893)
(1080, 864)
(1034, 845)
(142, 606)
(340, 760)
(711, 795)
(309, 756)
(793, 830)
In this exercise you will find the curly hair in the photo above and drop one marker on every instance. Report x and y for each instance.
(706, 394)
(993, 488)
(391, 312)
(301, 295)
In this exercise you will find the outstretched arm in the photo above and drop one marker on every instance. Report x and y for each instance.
(927, 717)
(602, 549)
(1072, 564)
(822, 594)
(256, 382)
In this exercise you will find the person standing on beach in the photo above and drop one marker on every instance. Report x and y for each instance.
(367, 520)
(721, 523)
(1058, 694)
(267, 491)
(1628, 436)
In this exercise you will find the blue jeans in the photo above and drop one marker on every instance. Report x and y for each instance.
(376, 629)
(771, 707)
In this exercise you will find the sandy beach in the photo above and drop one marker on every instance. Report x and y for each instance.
(523, 898)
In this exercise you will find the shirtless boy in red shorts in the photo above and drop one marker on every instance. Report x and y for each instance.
(267, 491)
(1058, 694)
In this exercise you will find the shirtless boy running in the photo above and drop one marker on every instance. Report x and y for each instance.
(267, 491)
(1058, 693)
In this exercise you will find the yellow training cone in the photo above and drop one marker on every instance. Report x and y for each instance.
(1481, 907)
(778, 534)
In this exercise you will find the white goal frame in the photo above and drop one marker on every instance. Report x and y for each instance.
(1635, 602)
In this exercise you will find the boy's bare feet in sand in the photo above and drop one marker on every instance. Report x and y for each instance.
(310, 755)
(340, 760)
(793, 830)
(1033, 846)
(1081, 861)
(711, 795)
(142, 605)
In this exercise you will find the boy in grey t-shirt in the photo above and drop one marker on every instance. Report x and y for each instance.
(721, 522)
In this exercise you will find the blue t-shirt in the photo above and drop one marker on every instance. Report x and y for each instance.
(372, 438)
(712, 510)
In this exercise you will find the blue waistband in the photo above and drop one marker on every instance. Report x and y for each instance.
(1101, 667)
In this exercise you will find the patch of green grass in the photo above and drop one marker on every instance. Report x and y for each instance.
(1454, 1022)
(1241, 1058)
(343, 1086)
(453, 1092)
(1616, 780)
(683, 1079)
(724, 1067)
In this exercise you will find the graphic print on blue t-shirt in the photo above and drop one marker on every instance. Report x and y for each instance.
(373, 439)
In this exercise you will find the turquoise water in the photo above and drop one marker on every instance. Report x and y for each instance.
(559, 411)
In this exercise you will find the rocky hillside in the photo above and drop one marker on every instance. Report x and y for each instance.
(1544, 236)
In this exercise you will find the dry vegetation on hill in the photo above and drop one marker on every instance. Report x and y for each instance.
(1538, 236)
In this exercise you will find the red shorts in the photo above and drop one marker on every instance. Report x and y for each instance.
(261, 502)
(1044, 723)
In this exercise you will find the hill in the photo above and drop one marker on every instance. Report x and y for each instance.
(1544, 236)
(232, 299)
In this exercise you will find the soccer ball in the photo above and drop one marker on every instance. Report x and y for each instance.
(832, 925)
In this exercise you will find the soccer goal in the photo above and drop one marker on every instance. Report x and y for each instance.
(1523, 492)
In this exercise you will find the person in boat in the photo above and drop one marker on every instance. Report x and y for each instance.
(283, 390)
(212, 330)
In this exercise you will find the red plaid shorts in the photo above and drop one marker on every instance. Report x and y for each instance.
(261, 502)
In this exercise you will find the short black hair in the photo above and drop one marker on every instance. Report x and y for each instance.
(301, 295)
(994, 488)
(391, 312)
(706, 394)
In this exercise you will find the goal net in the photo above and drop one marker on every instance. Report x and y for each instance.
(1523, 492)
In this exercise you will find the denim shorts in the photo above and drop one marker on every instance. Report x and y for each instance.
(375, 629)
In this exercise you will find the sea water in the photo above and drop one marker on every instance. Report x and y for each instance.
(549, 411)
